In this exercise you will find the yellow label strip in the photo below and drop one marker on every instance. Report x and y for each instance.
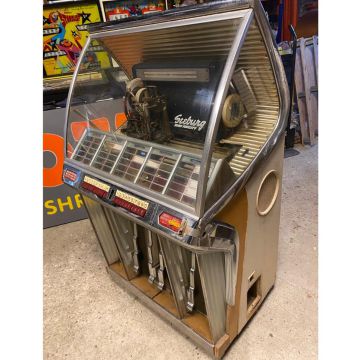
(96, 183)
(132, 199)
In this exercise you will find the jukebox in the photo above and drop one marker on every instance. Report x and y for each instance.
(179, 161)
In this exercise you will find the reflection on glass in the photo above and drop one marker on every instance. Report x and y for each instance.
(157, 170)
(107, 155)
(146, 114)
(88, 147)
(183, 185)
(131, 161)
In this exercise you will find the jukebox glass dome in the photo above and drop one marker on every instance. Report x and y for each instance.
(145, 119)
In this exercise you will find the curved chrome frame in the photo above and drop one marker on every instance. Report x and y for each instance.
(283, 92)
(280, 78)
(217, 109)
(71, 90)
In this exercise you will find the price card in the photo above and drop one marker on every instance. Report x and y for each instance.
(96, 183)
(132, 199)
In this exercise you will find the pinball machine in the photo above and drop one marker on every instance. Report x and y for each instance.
(64, 35)
(183, 188)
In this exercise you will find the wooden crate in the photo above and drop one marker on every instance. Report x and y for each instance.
(306, 84)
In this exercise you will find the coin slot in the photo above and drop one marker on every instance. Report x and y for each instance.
(251, 277)
(254, 295)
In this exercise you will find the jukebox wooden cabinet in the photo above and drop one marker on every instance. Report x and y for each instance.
(177, 150)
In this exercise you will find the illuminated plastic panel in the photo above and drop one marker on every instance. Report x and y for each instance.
(163, 171)
(88, 147)
(131, 161)
(183, 184)
(158, 170)
(108, 154)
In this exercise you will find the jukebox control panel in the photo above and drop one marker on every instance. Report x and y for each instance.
(107, 165)
(147, 211)
(161, 170)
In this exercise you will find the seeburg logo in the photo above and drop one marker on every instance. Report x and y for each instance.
(189, 123)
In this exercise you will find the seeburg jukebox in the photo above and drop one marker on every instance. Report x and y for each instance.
(177, 149)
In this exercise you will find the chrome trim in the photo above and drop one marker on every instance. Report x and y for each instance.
(136, 252)
(97, 150)
(214, 120)
(71, 89)
(283, 93)
(118, 157)
(102, 230)
(171, 174)
(202, 19)
(212, 276)
(143, 165)
(194, 248)
(175, 271)
(191, 289)
(78, 144)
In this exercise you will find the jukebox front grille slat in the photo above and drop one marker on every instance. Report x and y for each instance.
(241, 163)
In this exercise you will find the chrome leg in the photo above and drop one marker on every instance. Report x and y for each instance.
(122, 230)
(212, 275)
(161, 275)
(136, 250)
(171, 259)
(190, 292)
(153, 255)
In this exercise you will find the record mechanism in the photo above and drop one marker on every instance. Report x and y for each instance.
(146, 112)
(233, 113)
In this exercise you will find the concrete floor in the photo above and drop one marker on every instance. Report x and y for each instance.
(87, 316)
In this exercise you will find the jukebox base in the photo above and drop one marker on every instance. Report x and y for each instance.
(194, 327)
